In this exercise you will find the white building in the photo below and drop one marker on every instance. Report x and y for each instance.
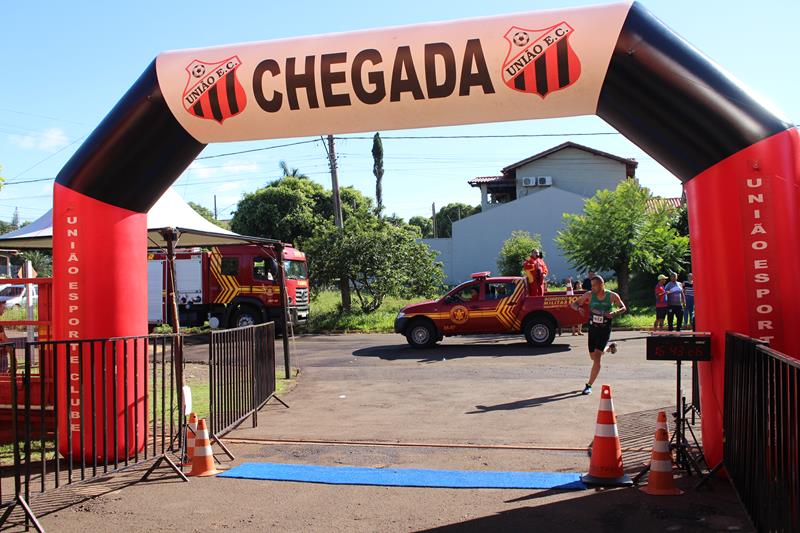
(529, 195)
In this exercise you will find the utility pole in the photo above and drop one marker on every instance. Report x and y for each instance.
(433, 218)
(215, 208)
(344, 283)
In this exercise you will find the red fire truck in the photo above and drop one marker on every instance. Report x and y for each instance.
(228, 286)
(488, 305)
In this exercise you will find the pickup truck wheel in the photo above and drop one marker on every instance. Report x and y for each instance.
(421, 334)
(540, 331)
(245, 315)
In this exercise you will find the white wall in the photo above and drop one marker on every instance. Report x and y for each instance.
(444, 249)
(573, 170)
(477, 239)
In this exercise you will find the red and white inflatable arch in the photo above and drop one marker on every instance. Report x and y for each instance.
(738, 159)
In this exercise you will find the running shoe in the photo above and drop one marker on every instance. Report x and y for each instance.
(612, 348)
(587, 390)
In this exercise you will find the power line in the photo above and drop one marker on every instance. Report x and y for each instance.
(45, 159)
(388, 137)
(41, 116)
(256, 150)
(506, 136)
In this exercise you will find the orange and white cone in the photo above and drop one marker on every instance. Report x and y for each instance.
(661, 422)
(605, 466)
(191, 431)
(203, 460)
(660, 481)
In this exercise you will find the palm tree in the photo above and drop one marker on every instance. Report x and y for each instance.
(292, 173)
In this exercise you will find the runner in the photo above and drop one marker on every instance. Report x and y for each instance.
(601, 312)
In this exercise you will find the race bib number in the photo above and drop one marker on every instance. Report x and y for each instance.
(598, 319)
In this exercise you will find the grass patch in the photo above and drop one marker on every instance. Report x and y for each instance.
(326, 316)
(7, 451)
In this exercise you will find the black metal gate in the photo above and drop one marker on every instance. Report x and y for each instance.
(47, 376)
(762, 432)
(241, 375)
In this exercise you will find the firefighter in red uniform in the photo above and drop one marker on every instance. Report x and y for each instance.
(535, 271)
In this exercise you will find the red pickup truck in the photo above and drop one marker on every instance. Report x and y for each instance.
(488, 305)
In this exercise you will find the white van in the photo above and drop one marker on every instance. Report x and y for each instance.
(16, 295)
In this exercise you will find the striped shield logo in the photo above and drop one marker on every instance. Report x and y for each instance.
(540, 61)
(213, 92)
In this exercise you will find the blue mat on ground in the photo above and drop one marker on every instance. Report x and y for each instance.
(407, 477)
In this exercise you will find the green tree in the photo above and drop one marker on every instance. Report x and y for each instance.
(41, 261)
(516, 249)
(207, 214)
(617, 231)
(291, 209)
(424, 224)
(395, 220)
(377, 258)
(377, 170)
(15, 218)
(452, 213)
(5, 227)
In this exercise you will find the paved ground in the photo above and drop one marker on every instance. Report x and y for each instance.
(488, 391)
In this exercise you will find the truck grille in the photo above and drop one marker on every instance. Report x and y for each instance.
(301, 297)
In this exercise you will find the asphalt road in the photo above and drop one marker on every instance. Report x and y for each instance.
(479, 390)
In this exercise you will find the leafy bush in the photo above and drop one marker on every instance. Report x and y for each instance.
(516, 249)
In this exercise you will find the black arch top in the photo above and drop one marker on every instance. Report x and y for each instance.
(136, 152)
(675, 103)
(659, 91)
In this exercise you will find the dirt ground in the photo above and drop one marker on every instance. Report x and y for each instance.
(481, 391)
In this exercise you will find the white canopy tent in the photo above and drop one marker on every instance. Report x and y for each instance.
(170, 213)
(170, 219)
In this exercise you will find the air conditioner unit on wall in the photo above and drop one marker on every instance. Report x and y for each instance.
(529, 182)
(544, 181)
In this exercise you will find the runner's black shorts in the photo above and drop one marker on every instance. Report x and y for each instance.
(661, 312)
(598, 337)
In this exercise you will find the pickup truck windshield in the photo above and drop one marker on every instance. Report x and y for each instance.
(295, 269)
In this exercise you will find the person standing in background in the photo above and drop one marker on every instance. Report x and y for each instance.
(688, 291)
(661, 303)
(545, 270)
(576, 330)
(534, 274)
(587, 283)
(676, 301)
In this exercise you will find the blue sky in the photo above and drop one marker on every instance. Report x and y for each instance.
(67, 64)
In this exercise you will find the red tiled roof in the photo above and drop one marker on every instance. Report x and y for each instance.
(490, 179)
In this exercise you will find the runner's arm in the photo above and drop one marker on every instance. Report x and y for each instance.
(615, 299)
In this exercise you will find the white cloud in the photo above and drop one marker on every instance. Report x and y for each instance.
(47, 140)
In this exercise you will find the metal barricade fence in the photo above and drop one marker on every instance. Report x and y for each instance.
(241, 374)
(762, 432)
(65, 400)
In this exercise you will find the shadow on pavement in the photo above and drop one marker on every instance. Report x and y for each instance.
(617, 510)
(524, 404)
(457, 351)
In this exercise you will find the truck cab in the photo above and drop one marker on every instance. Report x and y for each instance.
(230, 286)
(488, 305)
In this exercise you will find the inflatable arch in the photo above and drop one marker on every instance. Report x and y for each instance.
(739, 161)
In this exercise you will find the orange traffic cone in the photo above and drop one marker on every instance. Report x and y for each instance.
(661, 422)
(191, 431)
(203, 460)
(660, 481)
(605, 466)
